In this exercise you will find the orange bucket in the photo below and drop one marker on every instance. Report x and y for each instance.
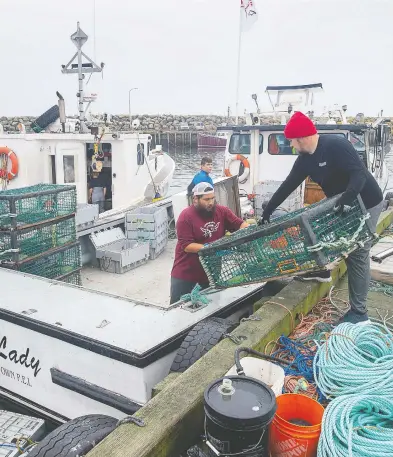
(289, 435)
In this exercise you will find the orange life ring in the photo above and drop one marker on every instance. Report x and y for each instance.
(14, 163)
(246, 165)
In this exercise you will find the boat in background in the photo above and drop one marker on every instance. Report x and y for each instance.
(261, 156)
(213, 141)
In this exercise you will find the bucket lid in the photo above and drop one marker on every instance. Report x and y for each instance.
(252, 402)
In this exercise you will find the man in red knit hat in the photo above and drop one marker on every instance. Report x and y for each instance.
(332, 162)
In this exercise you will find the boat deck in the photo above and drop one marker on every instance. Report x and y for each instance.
(148, 283)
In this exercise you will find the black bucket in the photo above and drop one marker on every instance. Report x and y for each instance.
(237, 415)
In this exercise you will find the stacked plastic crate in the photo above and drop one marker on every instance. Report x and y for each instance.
(149, 223)
(38, 232)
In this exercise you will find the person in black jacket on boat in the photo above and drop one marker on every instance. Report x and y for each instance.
(332, 162)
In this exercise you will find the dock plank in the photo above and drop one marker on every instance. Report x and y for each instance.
(382, 272)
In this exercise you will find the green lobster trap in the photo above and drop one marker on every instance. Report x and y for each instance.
(299, 242)
(53, 264)
(73, 278)
(33, 204)
(24, 243)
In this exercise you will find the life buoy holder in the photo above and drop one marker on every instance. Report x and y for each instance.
(246, 164)
(4, 150)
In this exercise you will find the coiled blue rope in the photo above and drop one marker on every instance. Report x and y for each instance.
(302, 360)
(355, 359)
(357, 426)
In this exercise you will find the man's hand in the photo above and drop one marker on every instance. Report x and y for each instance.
(265, 219)
(341, 208)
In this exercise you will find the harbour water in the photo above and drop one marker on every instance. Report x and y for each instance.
(188, 162)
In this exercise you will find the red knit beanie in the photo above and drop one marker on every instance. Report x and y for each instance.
(299, 126)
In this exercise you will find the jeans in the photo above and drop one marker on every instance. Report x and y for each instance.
(358, 266)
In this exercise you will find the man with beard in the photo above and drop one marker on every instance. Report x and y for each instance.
(201, 223)
(332, 162)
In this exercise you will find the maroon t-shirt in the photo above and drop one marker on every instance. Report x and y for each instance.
(192, 227)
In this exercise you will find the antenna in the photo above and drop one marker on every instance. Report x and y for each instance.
(79, 38)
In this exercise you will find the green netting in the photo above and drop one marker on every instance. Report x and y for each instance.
(30, 242)
(72, 278)
(58, 263)
(33, 204)
(284, 247)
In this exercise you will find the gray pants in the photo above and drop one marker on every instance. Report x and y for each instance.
(358, 265)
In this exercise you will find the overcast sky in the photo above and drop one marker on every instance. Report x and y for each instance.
(182, 54)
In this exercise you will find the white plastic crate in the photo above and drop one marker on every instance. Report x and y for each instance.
(18, 428)
(264, 190)
(157, 241)
(148, 218)
(116, 254)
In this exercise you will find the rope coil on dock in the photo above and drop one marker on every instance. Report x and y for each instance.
(355, 359)
(357, 426)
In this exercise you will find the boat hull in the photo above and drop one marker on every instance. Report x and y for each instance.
(211, 141)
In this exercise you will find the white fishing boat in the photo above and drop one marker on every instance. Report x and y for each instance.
(262, 157)
(66, 151)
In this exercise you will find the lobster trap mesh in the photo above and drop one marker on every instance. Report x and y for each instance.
(33, 204)
(72, 278)
(54, 264)
(29, 242)
(305, 240)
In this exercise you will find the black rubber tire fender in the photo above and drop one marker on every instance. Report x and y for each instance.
(76, 437)
(51, 115)
(205, 335)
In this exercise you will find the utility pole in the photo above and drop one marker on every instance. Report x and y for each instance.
(129, 104)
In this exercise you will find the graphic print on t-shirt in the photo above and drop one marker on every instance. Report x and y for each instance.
(209, 228)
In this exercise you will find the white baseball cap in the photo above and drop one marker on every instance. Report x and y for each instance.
(202, 188)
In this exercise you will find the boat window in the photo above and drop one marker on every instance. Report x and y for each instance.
(69, 169)
(240, 143)
(358, 142)
(279, 145)
(140, 149)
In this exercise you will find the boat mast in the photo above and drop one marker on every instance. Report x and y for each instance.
(79, 38)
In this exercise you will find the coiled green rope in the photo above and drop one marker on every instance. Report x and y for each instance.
(355, 359)
(357, 426)
(197, 297)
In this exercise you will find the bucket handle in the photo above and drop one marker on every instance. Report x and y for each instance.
(218, 453)
(239, 367)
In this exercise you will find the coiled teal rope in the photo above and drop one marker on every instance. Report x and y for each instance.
(355, 359)
(357, 426)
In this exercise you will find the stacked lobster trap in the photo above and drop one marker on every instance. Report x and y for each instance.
(38, 232)
(302, 241)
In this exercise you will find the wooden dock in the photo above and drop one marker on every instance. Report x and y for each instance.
(382, 272)
(175, 139)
